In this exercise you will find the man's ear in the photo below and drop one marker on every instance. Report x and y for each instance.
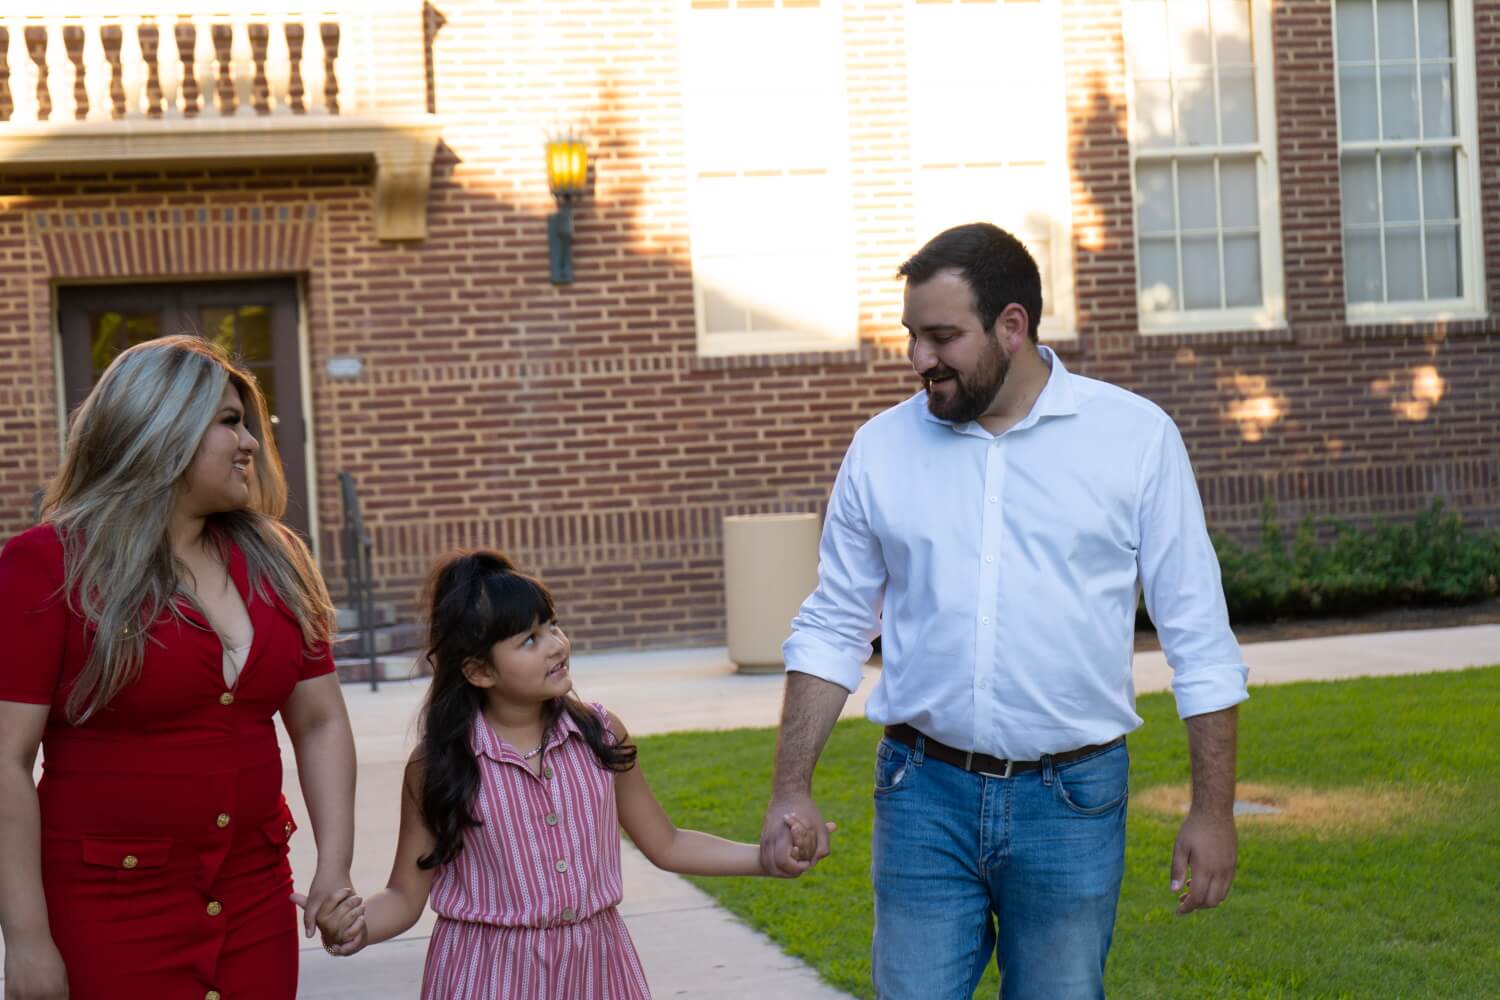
(478, 673)
(1011, 327)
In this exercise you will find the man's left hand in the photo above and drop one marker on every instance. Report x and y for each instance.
(1203, 860)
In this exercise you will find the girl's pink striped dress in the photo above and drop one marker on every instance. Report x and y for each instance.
(527, 911)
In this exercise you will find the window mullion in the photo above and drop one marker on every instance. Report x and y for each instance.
(1177, 237)
(1380, 214)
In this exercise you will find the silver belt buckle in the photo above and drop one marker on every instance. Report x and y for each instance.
(969, 760)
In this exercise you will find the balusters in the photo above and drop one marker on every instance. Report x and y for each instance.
(126, 65)
(7, 106)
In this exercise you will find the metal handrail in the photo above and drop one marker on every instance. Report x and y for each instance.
(359, 550)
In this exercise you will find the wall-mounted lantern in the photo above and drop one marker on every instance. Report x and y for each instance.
(567, 176)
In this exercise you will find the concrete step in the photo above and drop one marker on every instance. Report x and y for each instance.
(402, 667)
(396, 638)
(348, 617)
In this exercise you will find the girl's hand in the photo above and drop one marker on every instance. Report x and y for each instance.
(34, 971)
(325, 885)
(804, 837)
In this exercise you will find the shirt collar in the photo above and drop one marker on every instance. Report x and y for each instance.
(485, 743)
(1057, 398)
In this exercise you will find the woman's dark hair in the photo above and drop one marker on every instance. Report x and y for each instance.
(476, 599)
(997, 266)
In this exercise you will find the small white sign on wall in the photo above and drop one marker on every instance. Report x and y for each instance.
(345, 367)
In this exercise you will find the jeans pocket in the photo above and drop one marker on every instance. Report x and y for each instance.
(1096, 785)
(892, 765)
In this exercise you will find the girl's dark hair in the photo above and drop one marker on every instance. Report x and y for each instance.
(476, 599)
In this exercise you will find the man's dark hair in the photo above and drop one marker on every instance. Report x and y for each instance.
(994, 263)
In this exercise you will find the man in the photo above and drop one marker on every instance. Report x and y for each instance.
(993, 530)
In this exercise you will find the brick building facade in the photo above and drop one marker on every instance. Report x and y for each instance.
(600, 431)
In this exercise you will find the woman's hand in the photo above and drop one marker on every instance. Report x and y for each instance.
(34, 970)
(325, 886)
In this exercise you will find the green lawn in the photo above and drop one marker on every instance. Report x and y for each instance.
(1397, 902)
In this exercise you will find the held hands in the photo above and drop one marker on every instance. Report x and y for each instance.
(1203, 860)
(340, 921)
(794, 837)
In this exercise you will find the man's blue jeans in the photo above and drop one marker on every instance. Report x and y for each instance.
(963, 863)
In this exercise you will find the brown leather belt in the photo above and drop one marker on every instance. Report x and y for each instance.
(981, 763)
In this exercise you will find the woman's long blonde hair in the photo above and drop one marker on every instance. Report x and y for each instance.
(128, 448)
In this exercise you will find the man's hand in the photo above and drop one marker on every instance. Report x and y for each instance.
(1203, 860)
(34, 971)
(786, 816)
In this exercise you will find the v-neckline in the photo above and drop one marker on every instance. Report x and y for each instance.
(239, 578)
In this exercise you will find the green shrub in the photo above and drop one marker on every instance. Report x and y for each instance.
(1331, 567)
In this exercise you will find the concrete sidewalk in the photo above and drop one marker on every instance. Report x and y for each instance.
(690, 947)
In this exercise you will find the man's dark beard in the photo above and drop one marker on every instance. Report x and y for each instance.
(974, 393)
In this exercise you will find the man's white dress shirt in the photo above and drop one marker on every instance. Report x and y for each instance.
(1002, 573)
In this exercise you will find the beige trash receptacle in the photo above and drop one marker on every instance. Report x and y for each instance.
(770, 566)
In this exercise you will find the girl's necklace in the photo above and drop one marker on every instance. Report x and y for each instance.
(532, 753)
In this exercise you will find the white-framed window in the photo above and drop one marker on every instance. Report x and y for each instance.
(772, 254)
(1408, 169)
(989, 132)
(1203, 165)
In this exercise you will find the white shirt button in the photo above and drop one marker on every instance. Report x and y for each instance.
(994, 499)
(984, 621)
(989, 559)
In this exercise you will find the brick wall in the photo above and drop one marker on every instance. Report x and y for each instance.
(575, 426)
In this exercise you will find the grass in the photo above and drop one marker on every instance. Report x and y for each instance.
(1392, 891)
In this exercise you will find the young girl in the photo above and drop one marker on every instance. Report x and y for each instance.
(508, 817)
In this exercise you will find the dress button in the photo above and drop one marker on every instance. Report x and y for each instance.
(567, 914)
(215, 908)
(288, 829)
(561, 866)
(222, 820)
(212, 995)
(130, 861)
(551, 819)
(227, 698)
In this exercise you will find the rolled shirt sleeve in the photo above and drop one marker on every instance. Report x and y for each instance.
(833, 632)
(1184, 591)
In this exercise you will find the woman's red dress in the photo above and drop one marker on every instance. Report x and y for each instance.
(163, 828)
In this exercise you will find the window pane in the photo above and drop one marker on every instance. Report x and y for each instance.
(1242, 271)
(1158, 275)
(1237, 105)
(1432, 23)
(1192, 40)
(1155, 206)
(113, 332)
(1153, 113)
(1150, 51)
(1403, 264)
(1200, 272)
(1232, 28)
(1362, 266)
(1361, 190)
(1239, 197)
(265, 375)
(1442, 263)
(1356, 30)
(1397, 29)
(1195, 111)
(1398, 182)
(1398, 102)
(1357, 108)
(1439, 188)
(1196, 199)
(1437, 101)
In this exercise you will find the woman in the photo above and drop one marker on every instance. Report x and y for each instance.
(153, 624)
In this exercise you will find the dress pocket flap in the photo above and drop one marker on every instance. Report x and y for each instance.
(126, 853)
(279, 828)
